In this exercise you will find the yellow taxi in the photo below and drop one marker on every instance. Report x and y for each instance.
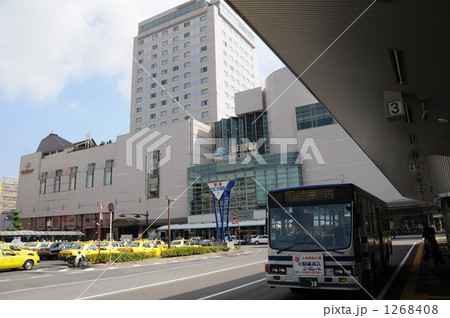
(159, 243)
(18, 250)
(183, 242)
(146, 247)
(108, 246)
(35, 246)
(84, 248)
(10, 259)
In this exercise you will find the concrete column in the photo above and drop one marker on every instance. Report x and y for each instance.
(439, 167)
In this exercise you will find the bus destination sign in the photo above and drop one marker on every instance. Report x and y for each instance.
(307, 195)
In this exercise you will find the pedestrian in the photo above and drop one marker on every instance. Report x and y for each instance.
(425, 235)
(436, 254)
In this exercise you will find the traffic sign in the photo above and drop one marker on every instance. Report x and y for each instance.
(111, 207)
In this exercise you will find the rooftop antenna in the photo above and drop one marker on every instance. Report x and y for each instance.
(88, 141)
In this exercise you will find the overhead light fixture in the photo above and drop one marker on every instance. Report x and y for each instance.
(443, 120)
(424, 111)
(398, 65)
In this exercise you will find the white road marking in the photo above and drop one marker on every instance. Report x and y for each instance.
(391, 280)
(170, 281)
(232, 289)
(40, 276)
(102, 279)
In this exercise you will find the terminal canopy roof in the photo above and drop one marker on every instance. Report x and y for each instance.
(348, 52)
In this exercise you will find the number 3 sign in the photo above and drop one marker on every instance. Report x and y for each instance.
(395, 108)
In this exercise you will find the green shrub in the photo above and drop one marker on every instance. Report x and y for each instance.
(192, 250)
(120, 257)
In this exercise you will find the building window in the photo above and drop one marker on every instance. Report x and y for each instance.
(152, 105)
(204, 80)
(138, 109)
(163, 123)
(203, 18)
(141, 52)
(314, 115)
(187, 44)
(140, 70)
(187, 34)
(43, 182)
(203, 59)
(164, 43)
(139, 80)
(204, 102)
(175, 110)
(141, 42)
(188, 106)
(187, 74)
(203, 38)
(186, 24)
(152, 116)
(152, 184)
(73, 178)
(187, 64)
(90, 175)
(57, 182)
(204, 69)
(139, 99)
(154, 36)
(205, 114)
(164, 113)
(203, 28)
(187, 54)
(109, 164)
(163, 102)
(204, 91)
(139, 89)
(175, 28)
(203, 48)
(175, 68)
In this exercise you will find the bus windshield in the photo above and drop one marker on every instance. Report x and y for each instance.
(325, 225)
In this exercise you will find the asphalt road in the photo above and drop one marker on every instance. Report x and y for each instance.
(230, 276)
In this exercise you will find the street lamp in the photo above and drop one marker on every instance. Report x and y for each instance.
(168, 217)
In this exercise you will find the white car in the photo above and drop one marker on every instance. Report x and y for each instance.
(260, 239)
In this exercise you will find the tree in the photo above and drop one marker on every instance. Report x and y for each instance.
(17, 225)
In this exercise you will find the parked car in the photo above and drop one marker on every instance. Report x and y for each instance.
(235, 240)
(35, 246)
(182, 242)
(142, 247)
(18, 250)
(86, 249)
(52, 251)
(260, 239)
(206, 243)
(10, 259)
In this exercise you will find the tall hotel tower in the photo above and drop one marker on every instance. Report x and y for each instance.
(189, 61)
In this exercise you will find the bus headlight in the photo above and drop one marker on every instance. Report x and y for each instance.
(277, 270)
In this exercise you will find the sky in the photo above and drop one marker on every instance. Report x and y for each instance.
(60, 71)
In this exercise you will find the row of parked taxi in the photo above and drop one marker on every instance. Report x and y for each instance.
(30, 253)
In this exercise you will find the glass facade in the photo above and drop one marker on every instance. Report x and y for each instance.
(252, 182)
(314, 115)
(232, 133)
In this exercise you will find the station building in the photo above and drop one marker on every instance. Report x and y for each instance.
(278, 138)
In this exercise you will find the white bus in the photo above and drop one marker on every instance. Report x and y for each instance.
(326, 237)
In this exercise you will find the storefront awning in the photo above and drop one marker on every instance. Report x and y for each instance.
(212, 225)
(40, 233)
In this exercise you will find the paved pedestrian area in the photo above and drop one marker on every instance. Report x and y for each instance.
(422, 283)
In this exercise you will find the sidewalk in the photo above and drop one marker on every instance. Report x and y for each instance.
(422, 284)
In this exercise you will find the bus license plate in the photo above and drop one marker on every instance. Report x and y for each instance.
(310, 282)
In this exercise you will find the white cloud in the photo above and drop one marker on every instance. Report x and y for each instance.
(46, 44)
